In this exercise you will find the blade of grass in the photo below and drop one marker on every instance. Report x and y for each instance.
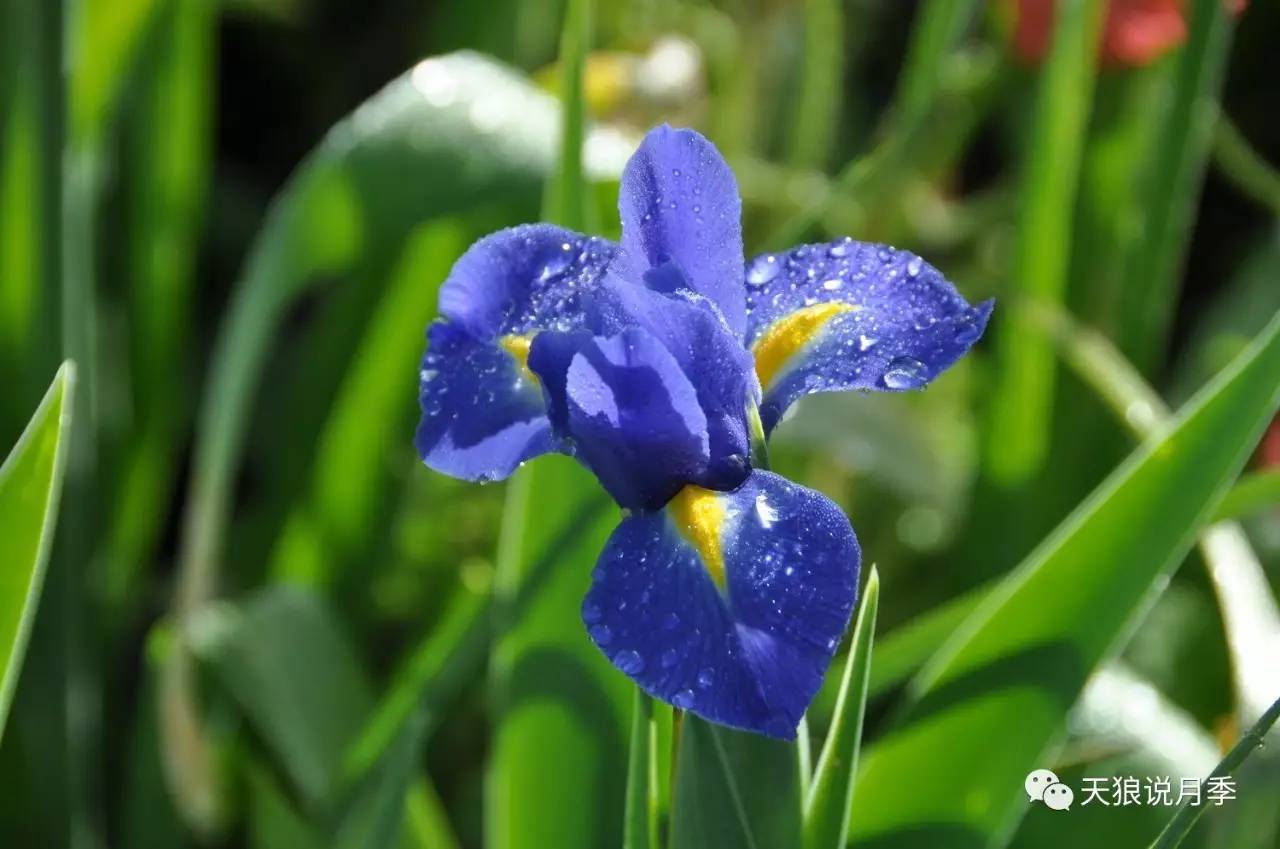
(1180, 826)
(566, 200)
(826, 815)
(1175, 170)
(1019, 422)
(1252, 494)
(1244, 166)
(166, 174)
(640, 829)
(816, 109)
(1021, 660)
(30, 490)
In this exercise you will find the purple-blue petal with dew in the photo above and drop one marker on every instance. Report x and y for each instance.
(740, 635)
(682, 221)
(481, 415)
(852, 315)
(483, 411)
(634, 419)
(717, 365)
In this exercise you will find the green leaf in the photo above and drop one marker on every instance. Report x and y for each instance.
(734, 789)
(1180, 826)
(282, 658)
(30, 485)
(566, 200)
(559, 753)
(991, 704)
(816, 107)
(1175, 170)
(373, 819)
(640, 829)
(826, 815)
(1018, 430)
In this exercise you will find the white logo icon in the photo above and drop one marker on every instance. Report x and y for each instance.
(1042, 785)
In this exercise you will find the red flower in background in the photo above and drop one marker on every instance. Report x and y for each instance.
(1136, 32)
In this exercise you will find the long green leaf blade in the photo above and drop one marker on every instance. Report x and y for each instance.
(639, 831)
(30, 486)
(990, 707)
(826, 816)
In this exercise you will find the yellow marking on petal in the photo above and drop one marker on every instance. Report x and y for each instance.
(789, 335)
(518, 347)
(699, 515)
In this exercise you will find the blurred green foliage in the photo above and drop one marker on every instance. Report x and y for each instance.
(265, 624)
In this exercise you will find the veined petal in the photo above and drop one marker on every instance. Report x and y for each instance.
(728, 604)
(717, 365)
(483, 410)
(682, 221)
(634, 418)
(852, 315)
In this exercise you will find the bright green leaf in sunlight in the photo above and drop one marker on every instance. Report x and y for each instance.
(826, 816)
(992, 703)
(30, 483)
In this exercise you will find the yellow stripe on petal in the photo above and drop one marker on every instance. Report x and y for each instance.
(699, 514)
(789, 335)
(518, 347)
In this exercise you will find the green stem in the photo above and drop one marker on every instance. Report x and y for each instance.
(1183, 821)
(1244, 166)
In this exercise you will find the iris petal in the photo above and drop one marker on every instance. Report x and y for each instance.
(682, 221)
(852, 315)
(728, 604)
(483, 410)
(635, 419)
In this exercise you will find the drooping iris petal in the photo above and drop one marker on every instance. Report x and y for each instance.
(852, 315)
(717, 365)
(681, 221)
(634, 418)
(483, 411)
(728, 604)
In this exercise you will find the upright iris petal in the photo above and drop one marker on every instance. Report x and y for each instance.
(724, 590)
(728, 604)
(483, 412)
(682, 221)
(852, 315)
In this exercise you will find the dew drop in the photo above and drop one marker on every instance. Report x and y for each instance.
(601, 634)
(763, 269)
(833, 284)
(840, 247)
(913, 267)
(705, 677)
(906, 373)
(967, 331)
(629, 662)
(669, 658)
(683, 699)
(590, 612)
(866, 343)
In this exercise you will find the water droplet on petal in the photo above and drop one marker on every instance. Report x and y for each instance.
(865, 343)
(967, 331)
(683, 699)
(763, 269)
(833, 284)
(705, 678)
(629, 662)
(840, 247)
(913, 267)
(590, 612)
(601, 634)
(906, 373)
(669, 658)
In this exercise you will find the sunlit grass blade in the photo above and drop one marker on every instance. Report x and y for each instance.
(1180, 826)
(30, 488)
(167, 130)
(815, 110)
(640, 829)
(826, 815)
(1174, 172)
(1019, 423)
(1022, 659)
(334, 525)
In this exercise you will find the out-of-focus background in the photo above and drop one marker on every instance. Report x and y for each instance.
(265, 624)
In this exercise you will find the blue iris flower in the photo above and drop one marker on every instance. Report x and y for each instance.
(725, 589)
